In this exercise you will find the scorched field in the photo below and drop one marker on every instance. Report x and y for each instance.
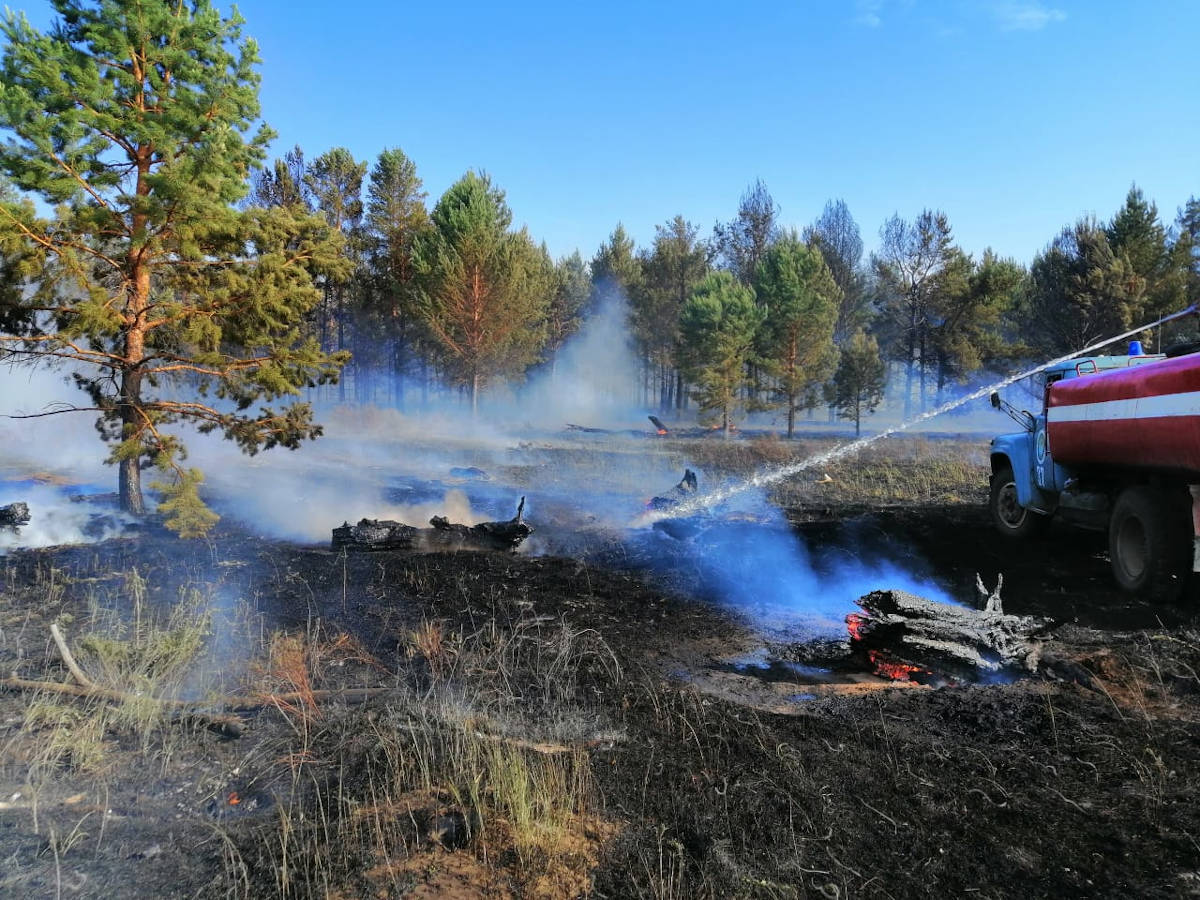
(627, 705)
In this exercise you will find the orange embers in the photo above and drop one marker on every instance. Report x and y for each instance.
(881, 665)
(886, 668)
(234, 799)
(855, 623)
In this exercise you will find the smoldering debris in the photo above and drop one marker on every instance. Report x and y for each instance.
(14, 515)
(375, 534)
(50, 515)
(687, 487)
(904, 636)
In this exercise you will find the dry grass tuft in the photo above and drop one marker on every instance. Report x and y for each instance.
(478, 763)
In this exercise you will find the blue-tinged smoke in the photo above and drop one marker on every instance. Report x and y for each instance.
(763, 571)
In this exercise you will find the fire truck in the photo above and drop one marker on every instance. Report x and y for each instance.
(1116, 448)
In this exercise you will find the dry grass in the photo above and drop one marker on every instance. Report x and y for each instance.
(480, 752)
(147, 657)
(901, 469)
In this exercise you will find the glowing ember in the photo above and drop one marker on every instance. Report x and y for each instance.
(855, 623)
(886, 668)
(234, 799)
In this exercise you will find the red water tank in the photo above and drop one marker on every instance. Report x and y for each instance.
(1146, 416)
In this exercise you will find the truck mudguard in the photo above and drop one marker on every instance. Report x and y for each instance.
(1017, 449)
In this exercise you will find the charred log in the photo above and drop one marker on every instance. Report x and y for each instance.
(686, 488)
(14, 515)
(658, 425)
(376, 534)
(907, 637)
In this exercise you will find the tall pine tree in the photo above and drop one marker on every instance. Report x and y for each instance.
(675, 264)
(717, 332)
(484, 290)
(135, 122)
(800, 299)
(395, 218)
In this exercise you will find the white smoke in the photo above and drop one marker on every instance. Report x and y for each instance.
(593, 379)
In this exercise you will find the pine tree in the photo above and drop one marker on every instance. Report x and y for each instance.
(1139, 239)
(617, 278)
(616, 270)
(675, 264)
(836, 235)
(134, 121)
(972, 303)
(859, 380)
(334, 181)
(741, 243)
(1080, 291)
(800, 299)
(396, 217)
(484, 290)
(572, 287)
(718, 327)
(909, 259)
(283, 184)
(1187, 246)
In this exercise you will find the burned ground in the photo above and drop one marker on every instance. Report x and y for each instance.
(665, 745)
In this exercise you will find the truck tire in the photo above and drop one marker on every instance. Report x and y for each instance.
(1011, 518)
(1150, 542)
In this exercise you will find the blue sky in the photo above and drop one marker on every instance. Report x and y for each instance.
(1013, 116)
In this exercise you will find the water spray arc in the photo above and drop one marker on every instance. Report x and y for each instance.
(771, 476)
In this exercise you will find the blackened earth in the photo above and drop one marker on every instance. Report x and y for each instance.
(731, 780)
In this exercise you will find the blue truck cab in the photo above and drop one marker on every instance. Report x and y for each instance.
(1152, 520)
(1027, 484)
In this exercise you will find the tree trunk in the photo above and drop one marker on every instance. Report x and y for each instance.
(129, 472)
(474, 394)
(911, 355)
(341, 339)
(399, 361)
(791, 420)
(923, 371)
(908, 381)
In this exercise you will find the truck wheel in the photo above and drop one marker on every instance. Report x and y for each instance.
(1010, 517)
(1149, 542)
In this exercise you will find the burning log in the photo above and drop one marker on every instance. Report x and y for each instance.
(375, 534)
(909, 638)
(658, 425)
(14, 515)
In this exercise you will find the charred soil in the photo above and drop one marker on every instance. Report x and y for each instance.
(557, 727)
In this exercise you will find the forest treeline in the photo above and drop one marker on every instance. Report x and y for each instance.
(751, 315)
(152, 251)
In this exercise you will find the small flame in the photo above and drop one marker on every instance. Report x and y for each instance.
(896, 671)
(662, 431)
(855, 623)
(234, 799)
